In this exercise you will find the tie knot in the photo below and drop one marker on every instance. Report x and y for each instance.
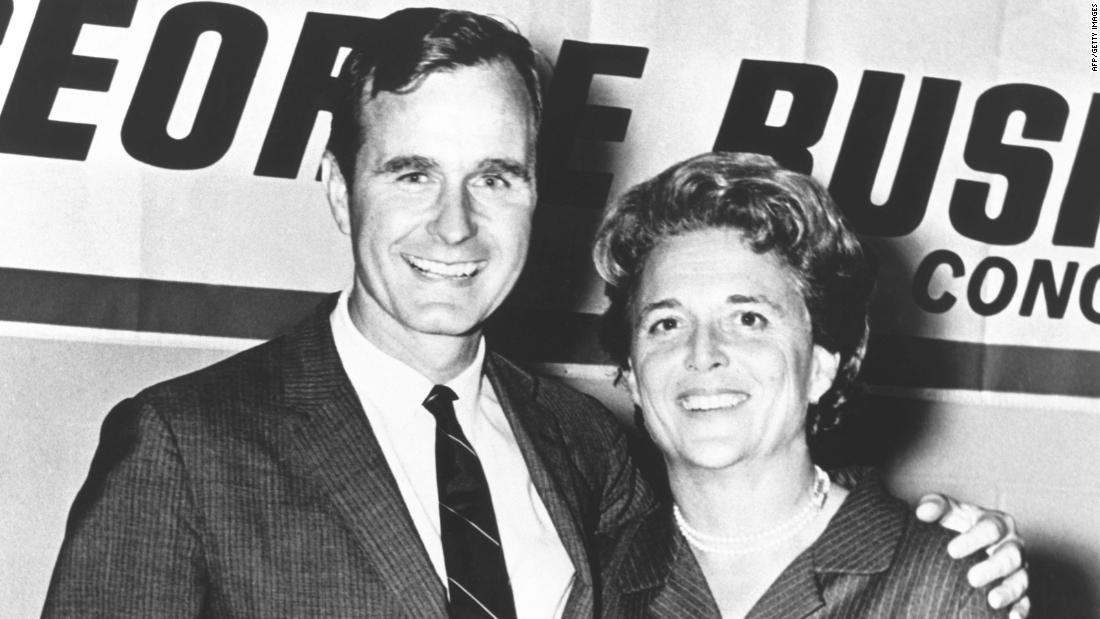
(440, 401)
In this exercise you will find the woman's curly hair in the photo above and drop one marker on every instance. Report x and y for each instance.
(777, 211)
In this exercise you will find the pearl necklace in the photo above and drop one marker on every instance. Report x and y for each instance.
(742, 545)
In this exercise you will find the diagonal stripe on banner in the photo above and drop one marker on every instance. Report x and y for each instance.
(145, 305)
(132, 304)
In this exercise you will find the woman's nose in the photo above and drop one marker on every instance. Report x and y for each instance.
(706, 351)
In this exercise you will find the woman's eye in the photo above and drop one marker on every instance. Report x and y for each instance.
(664, 325)
(752, 320)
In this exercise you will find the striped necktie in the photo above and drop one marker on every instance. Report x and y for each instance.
(477, 578)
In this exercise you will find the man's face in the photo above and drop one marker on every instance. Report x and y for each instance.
(440, 205)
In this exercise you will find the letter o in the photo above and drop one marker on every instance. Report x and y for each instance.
(1004, 295)
(1088, 294)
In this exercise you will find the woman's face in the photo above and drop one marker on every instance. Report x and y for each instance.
(722, 360)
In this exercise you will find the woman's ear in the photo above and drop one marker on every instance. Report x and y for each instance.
(823, 372)
(632, 383)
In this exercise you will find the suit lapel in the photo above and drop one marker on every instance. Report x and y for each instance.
(660, 574)
(332, 445)
(861, 538)
(658, 571)
(686, 593)
(794, 594)
(540, 441)
(669, 574)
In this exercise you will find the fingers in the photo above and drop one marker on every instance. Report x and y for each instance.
(984, 529)
(1012, 590)
(1006, 558)
(990, 530)
(1021, 610)
(950, 513)
(932, 507)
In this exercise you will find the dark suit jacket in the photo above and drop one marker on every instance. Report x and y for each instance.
(256, 488)
(875, 559)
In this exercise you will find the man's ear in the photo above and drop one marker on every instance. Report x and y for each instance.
(823, 372)
(336, 189)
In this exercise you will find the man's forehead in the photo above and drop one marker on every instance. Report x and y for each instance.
(506, 84)
(460, 115)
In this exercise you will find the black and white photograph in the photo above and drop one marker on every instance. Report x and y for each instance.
(540, 310)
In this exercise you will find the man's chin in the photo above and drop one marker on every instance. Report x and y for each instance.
(445, 322)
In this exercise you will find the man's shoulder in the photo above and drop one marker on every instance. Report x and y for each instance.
(258, 376)
(583, 422)
(547, 392)
(253, 369)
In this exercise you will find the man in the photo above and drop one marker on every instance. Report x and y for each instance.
(311, 476)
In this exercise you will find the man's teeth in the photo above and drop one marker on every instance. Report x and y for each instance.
(712, 402)
(444, 269)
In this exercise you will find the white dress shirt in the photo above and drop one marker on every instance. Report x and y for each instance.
(392, 394)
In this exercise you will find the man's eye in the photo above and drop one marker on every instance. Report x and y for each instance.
(414, 178)
(493, 182)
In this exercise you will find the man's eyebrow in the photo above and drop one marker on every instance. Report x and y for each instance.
(405, 163)
(507, 166)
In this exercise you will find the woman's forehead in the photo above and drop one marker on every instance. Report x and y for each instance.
(716, 264)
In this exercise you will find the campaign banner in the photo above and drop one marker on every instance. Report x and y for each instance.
(159, 164)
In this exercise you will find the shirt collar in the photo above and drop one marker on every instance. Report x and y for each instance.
(359, 354)
(467, 385)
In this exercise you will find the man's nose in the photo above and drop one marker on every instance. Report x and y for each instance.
(705, 350)
(453, 221)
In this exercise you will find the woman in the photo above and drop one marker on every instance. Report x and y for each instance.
(738, 313)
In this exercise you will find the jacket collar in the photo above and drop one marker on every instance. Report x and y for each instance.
(332, 444)
(332, 448)
(862, 538)
(668, 570)
(544, 449)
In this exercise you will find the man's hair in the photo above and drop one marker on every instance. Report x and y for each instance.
(777, 211)
(403, 48)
